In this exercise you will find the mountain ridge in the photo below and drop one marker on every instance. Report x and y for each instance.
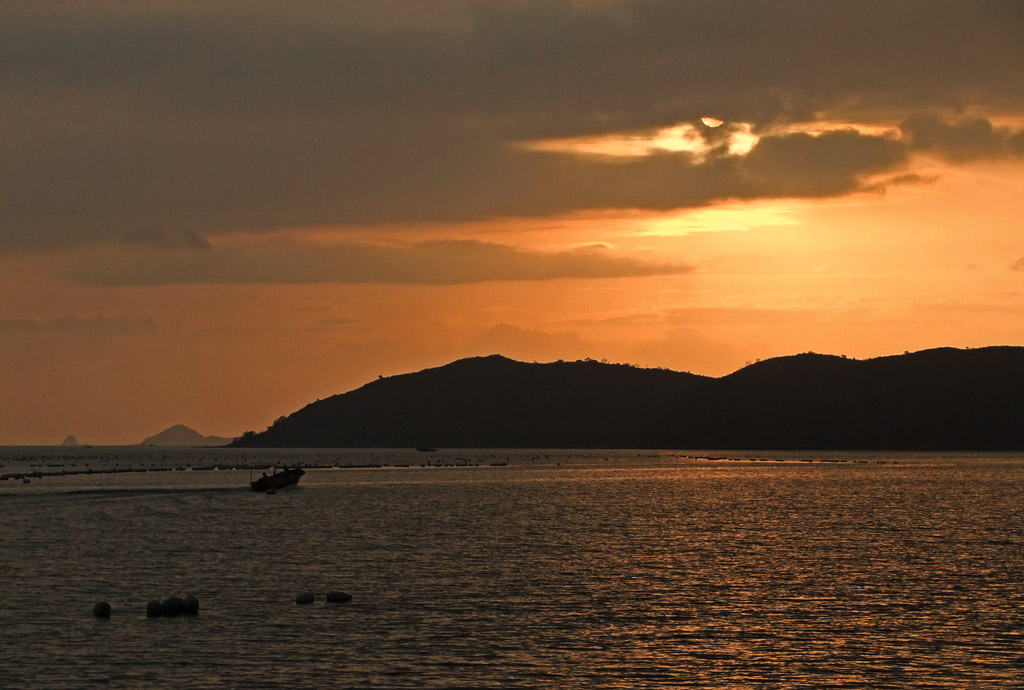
(943, 398)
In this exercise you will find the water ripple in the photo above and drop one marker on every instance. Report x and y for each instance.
(586, 575)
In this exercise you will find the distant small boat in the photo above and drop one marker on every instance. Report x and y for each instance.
(426, 449)
(272, 482)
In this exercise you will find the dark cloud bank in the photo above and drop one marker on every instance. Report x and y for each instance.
(199, 118)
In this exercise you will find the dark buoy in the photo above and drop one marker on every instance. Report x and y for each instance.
(153, 609)
(190, 605)
(304, 598)
(172, 606)
(101, 609)
(339, 596)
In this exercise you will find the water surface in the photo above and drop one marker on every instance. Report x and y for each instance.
(561, 569)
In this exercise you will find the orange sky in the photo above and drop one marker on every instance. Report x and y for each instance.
(219, 238)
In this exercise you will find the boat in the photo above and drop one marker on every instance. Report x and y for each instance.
(278, 480)
(426, 449)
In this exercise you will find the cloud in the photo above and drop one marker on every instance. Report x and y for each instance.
(227, 115)
(530, 344)
(622, 63)
(337, 321)
(963, 140)
(1017, 265)
(74, 326)
(683, 349)
(686, 349)
(168, 239)
(738, 316)
(447, 262)
(824, 165)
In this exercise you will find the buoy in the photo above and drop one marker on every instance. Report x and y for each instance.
(190, 605)
(339, 596)
(101, 609)
(153, 608)
(172, 606)
(304, 598)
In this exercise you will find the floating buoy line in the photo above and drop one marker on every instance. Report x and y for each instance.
(34, 472)
(189, 605)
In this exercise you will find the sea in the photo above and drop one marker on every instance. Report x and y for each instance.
(513, 569)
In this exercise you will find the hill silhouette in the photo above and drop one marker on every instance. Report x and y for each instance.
(181, 435)
(934, 399)
(931, 400)
(488, 402)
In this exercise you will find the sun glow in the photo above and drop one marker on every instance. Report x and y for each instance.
(722, 218)
(730, 138)
(683, 138)
(819, 127)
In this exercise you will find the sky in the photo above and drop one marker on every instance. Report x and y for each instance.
(213, 213)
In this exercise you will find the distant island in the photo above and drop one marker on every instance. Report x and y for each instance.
(70, 441)
(940, 399)
(181, 435)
